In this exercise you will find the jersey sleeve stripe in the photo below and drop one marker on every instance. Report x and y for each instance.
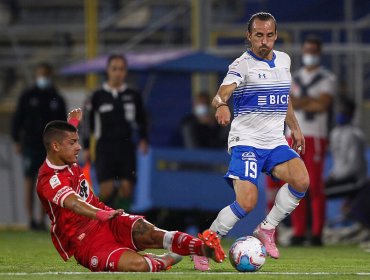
(61, 193)
(65, 196)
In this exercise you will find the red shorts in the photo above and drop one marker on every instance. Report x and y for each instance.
(101, 250)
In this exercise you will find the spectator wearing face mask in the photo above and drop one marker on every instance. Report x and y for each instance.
(200, 130)
(37, 105)
(348, 176)
(312, 95)
(348, 149)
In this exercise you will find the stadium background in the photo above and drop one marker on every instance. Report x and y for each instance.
(175, 49)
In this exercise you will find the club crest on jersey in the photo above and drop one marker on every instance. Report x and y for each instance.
(94, 261)
(54, 181)
(249, 156)
(84, 189)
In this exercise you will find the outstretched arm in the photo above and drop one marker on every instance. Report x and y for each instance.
(74, 203)
(223, 114)
(298, 143)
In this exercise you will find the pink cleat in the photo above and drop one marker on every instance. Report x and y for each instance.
(200, 263)
(266, 236)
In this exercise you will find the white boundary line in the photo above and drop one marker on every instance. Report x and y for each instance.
(182, 273)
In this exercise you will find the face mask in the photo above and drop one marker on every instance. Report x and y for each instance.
(43, 82)
(310, 60)
(342, 119)
(201, 110)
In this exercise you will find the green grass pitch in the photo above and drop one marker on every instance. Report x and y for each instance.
(31, 255)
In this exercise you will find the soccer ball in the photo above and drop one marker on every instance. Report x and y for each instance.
(247, 254)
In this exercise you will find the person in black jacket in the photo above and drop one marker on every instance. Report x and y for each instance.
(36, 106)
(114, 112)
(200, 130)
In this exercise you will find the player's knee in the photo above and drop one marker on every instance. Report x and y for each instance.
(146, 235)
(140, 265)
(247, 205)
(301, 183)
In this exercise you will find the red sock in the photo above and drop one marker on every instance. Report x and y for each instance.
(185, 244)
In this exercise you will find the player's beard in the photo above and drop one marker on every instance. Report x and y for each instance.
(264, 51)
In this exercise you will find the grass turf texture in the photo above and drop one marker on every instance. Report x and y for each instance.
(31, 255)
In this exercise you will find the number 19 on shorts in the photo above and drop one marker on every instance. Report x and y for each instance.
(251, 169)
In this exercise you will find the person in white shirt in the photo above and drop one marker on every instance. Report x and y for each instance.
(259, 81)
(312, 94)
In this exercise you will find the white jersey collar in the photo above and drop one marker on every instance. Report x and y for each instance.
(53, 166)
(114, 91)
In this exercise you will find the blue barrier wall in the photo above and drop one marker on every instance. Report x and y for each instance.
(193, 179)
(184, 179)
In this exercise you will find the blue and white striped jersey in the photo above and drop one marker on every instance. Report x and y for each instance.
(260, 100)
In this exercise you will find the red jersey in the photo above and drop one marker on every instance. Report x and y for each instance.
(54, 184)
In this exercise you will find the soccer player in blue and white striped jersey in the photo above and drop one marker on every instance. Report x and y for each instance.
(260, 81)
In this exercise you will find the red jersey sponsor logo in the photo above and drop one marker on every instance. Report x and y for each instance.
(59, 194)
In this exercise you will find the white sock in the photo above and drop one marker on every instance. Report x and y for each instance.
(167, 240)
(224, 222)
(285, 203)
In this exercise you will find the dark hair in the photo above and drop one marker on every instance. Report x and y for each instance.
(261, 16)
(204, 95)
(55, 130)
(347, 106)
(45, 65)
(313, 39)
(116, 56)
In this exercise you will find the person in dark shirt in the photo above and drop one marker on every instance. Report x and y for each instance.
(348, 149)
(200, 130)
(37, 105)
(113, 113)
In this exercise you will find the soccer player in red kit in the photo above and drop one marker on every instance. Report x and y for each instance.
(99, 237)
